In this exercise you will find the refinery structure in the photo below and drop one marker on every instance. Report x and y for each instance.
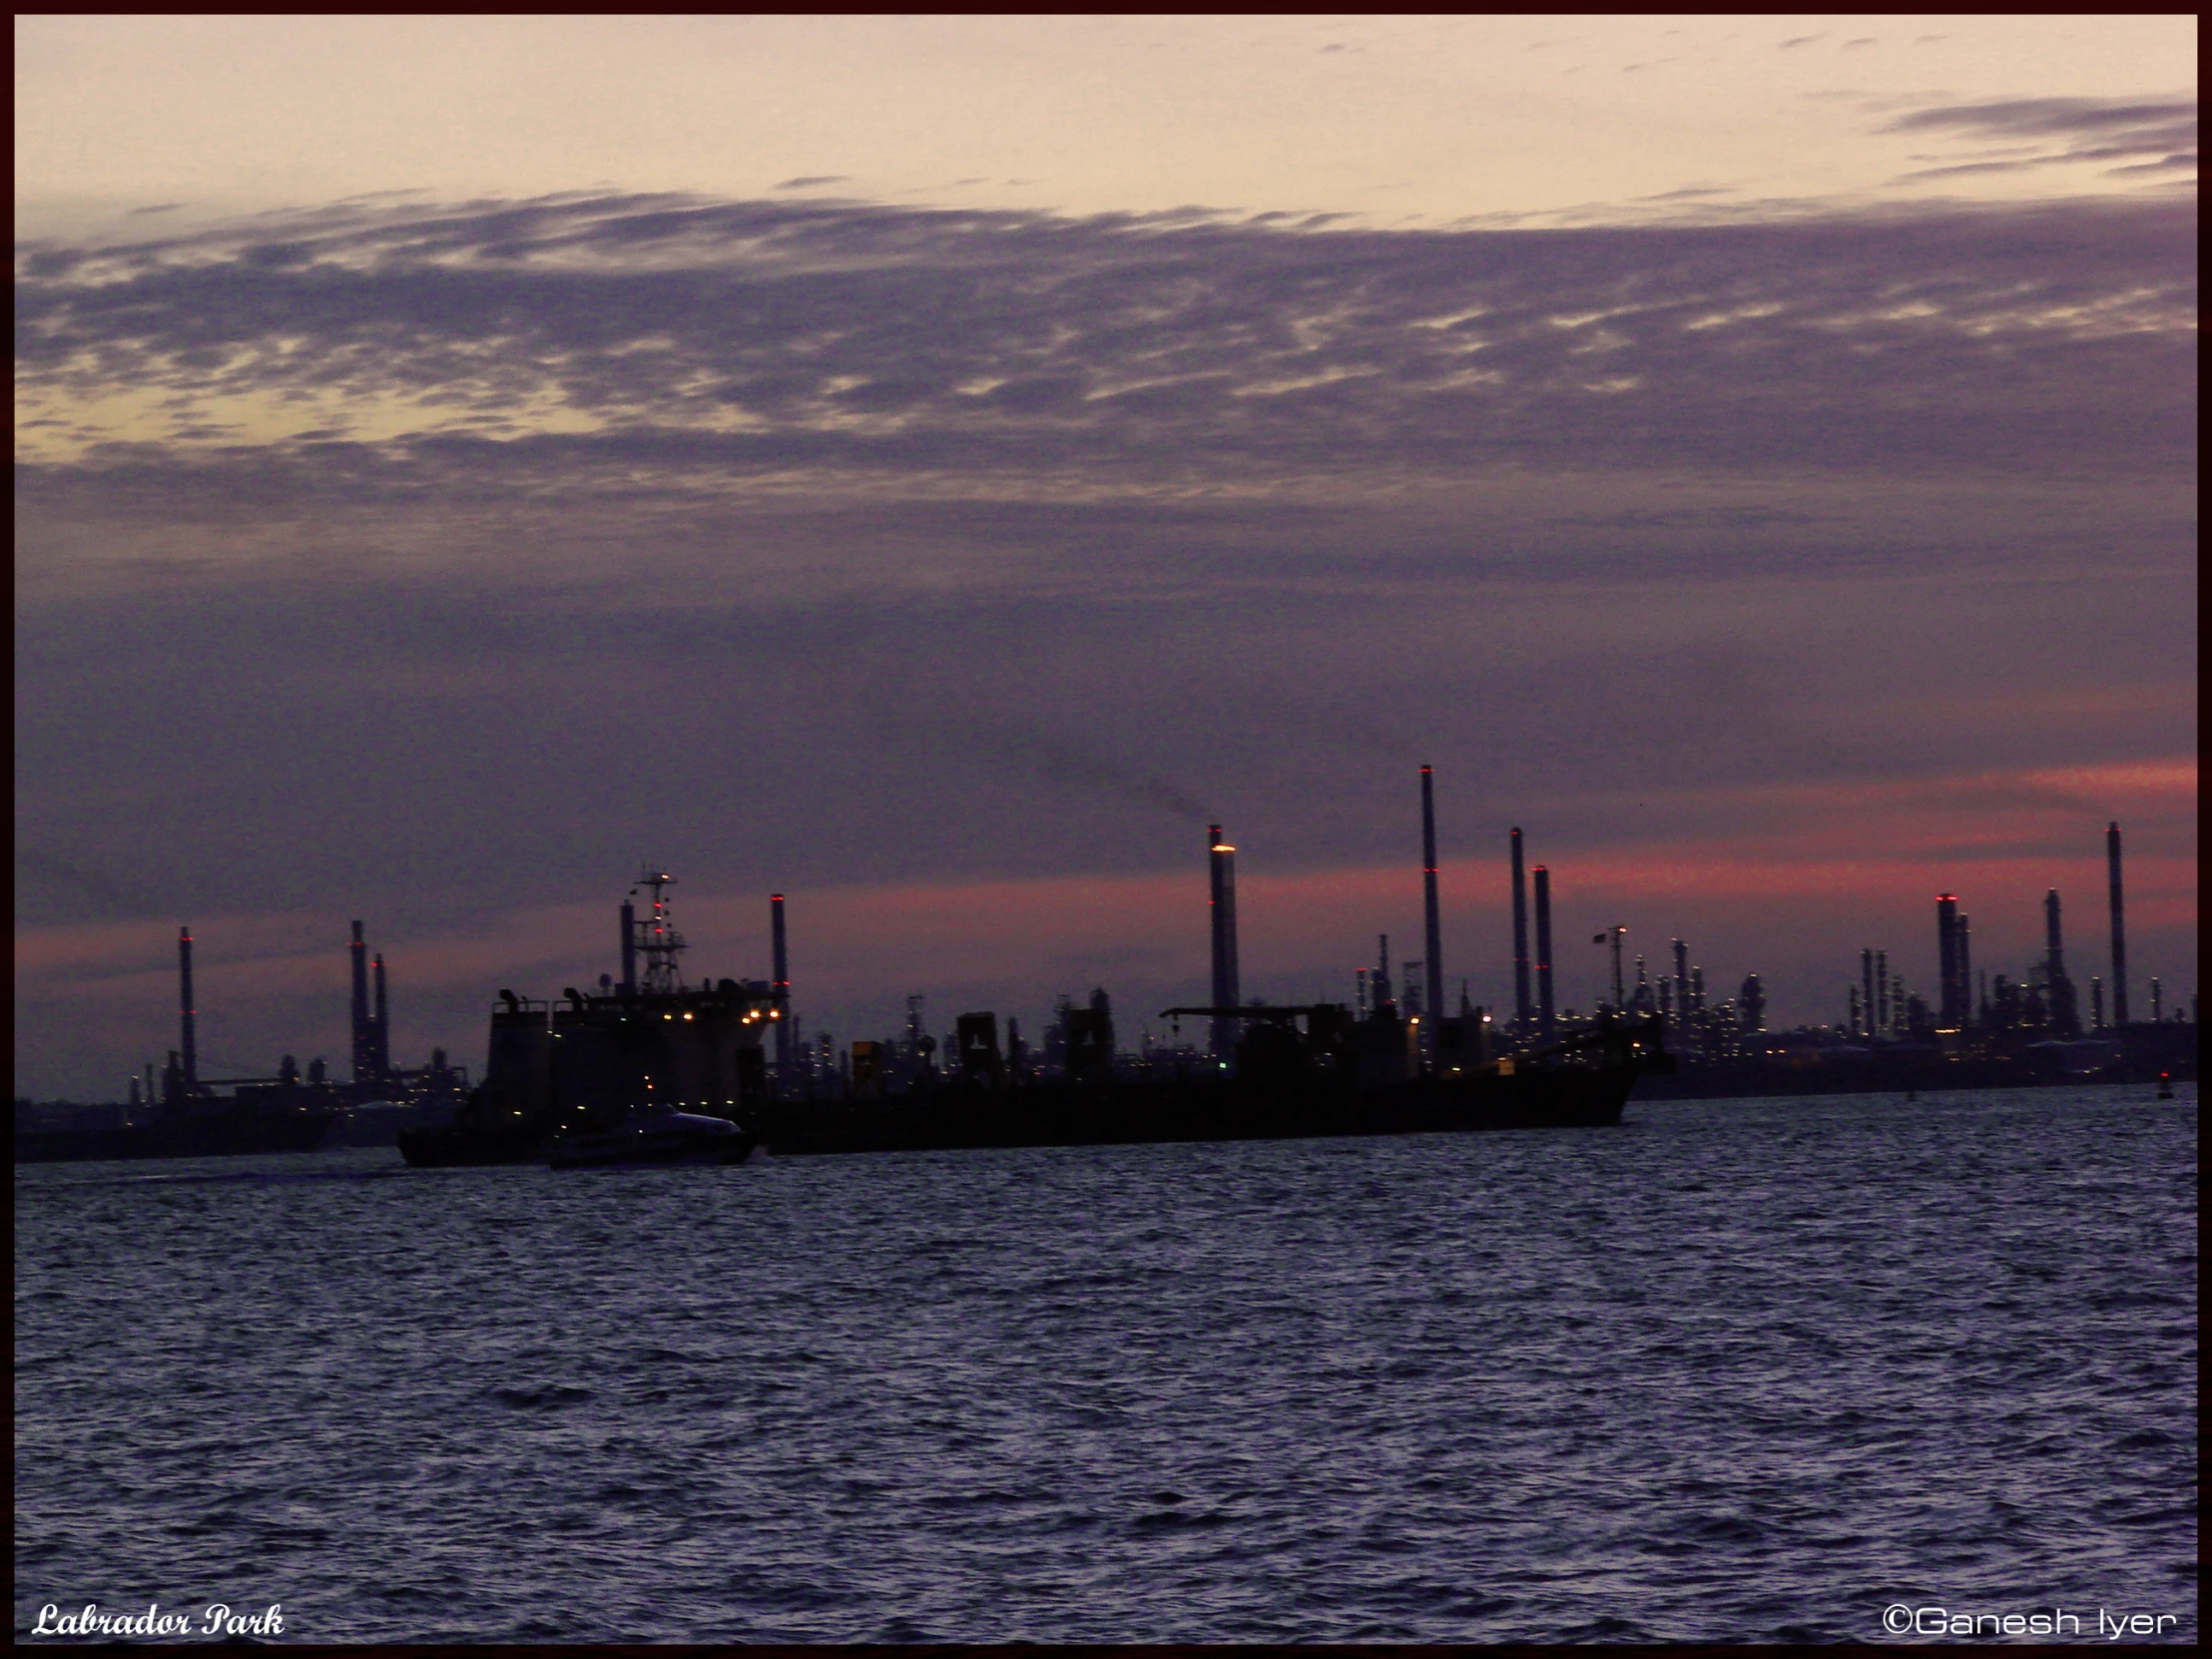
(1970, 1026)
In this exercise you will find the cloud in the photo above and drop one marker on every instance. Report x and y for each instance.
(808, 181)
(614, 340)
(2130, 135)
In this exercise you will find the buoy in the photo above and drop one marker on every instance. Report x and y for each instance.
(2165, 1086)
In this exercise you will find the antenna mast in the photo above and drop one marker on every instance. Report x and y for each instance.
(657, 939)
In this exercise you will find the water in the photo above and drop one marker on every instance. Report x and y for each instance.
(1740, 1370)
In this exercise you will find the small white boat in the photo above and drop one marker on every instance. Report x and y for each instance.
(659, 1138)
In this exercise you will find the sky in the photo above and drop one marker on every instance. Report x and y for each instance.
(934, 467)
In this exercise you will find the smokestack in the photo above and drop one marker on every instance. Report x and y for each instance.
(781, 969)
(1435, 1001)
(2119, 924)
(188, 1069)
(2064, 1014)
(1543, 951)
(1222, 904)
(1963, 945)
(361, 1049)
(628, 948)
(1946, 954)
(1520, 937)
(380, 1045)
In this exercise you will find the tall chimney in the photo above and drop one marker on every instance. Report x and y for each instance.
(628, 948)
(1221, 905)
(188, 1069)
(2119, 924)
(781, 969)
(1543, 951)
(1520, 937)
(1946, 954)
(2064, 1014)
(1435, 1001)
(361, 1049)
(379, 1044)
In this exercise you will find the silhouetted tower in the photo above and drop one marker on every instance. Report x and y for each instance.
(1962, 944)
(2157, 1002)
(1223, 906)
(1752, 1000)
(629, 985)
(1851, 1018)
(1380, 991)
(1520, 937)
(1543, 951)
(188, 1067)
(2096, 1003)
(2065, 1013)
(379, 1036)
(1866, 1004)
(1680, 980)
(363, 1050)
(656, 936)
(780, 967)
(2119, 923)
(1953, 997)
(1432, 915)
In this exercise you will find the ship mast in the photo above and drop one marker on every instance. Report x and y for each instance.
(657, 938)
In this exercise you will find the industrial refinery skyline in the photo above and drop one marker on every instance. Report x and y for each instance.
(932, 468)
(1883, 1005)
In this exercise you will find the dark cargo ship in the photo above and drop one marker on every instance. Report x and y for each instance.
(645, 1071)
(1301, 1072)
(652, 1070)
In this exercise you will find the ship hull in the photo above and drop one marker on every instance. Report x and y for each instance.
(1171, 1111)
(211, 1136)
(461, 1145)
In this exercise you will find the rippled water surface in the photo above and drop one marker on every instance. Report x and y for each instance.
(1746, 1370)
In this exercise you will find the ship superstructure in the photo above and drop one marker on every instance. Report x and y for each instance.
(633, 1052)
